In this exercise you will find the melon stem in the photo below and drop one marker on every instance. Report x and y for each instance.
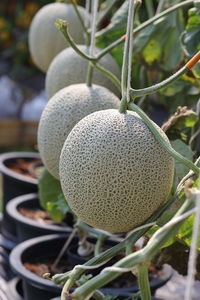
(143, 281)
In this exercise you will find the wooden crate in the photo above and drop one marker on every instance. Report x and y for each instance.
(18, 133)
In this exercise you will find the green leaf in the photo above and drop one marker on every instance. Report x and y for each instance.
(118, 21)
(152, 51)
(174, 88)
(51, 197)
(196, 70)
(191, 36)
(184, 150)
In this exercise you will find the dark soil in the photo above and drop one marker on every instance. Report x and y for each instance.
(46, 266)
(38, 215)
(126, 280)
(22, 166)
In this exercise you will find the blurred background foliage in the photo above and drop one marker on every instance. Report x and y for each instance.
(159, 50)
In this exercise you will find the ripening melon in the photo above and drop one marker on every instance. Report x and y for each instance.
(45, 40)
(113, 172)
(68, 68)
(62, 112)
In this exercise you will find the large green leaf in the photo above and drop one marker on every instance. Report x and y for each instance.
(51, 197)
(118, 21)
(191, 36)
(184, 150)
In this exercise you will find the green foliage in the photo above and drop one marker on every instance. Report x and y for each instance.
(118, 21)
(179, 125)
(184, 150)
(51, 197)
(155, 46)
(191, 36)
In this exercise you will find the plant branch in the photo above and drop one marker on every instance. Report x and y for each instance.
(143, 281)
(139, 257)
(154, 88)
(62, 26)
(109, 74)
(100, 241)
(132, 237)
(144, 25)
(161, 140)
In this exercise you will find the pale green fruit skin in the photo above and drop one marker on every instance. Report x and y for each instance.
(62, 112)
(113, 172)
(69, 68)
(45, 40)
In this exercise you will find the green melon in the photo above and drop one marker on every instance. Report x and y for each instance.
(62, 112)
(45, 40)
(113, 172)
(69, 68)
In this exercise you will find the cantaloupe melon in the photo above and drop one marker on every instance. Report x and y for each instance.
(113, 172)
(62, 112)
(69, 68)
(45, 40)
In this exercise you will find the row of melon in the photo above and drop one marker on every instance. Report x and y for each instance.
(113, 172)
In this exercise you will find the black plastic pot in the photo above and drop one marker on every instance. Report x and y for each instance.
(27, 228)
(38, 288)
(14, 185)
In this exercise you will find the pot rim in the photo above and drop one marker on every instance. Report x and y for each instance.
(14, 155)
(13, 212)
(22, 272)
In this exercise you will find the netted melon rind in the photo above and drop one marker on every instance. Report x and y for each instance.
(62, 112)
(113, 172)
(45, 40)
(68, 68)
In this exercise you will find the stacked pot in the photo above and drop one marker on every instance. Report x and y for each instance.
(19, 191)
(25, 241)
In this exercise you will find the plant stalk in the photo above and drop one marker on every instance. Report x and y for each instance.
(143, 25)
(161, 140)
(63, 27)
(143, 281)
(134, 259)
(154, 88)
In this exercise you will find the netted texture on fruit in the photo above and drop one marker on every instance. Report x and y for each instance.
(68, 68)
(62, 112)
(113, 172)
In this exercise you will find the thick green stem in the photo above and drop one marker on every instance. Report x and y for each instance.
(110, 75)
(73, 275)
(123, 105)
(62, 26)
(98, 246)
(154, 88)
(90, 71)
(143, 281)
(161, 140)
(150, 8)
(134, 259)
(144, 25)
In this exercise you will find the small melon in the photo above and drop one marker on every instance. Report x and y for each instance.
(68, 68)
(113, 172)
(62, 112)
(45, 40)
